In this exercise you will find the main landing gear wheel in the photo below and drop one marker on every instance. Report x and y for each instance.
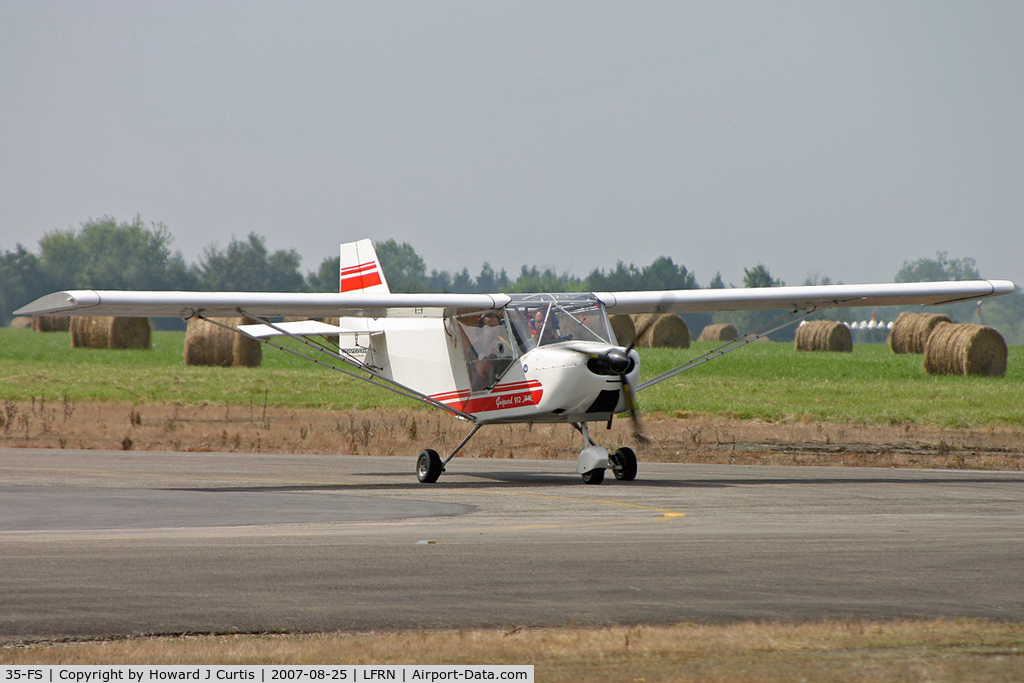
(623, 463)
(593, 476)
(428, 466)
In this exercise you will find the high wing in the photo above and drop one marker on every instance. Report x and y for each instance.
(802, 298)
(266, 304)
(145, 304)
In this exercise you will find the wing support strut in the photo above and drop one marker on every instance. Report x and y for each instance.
(777, 324)
(375, 379)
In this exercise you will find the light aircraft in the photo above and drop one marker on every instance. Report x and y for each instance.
(494, 358)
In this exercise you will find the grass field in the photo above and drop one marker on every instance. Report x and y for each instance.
(940, 650)
(767, 381)
(871, 385)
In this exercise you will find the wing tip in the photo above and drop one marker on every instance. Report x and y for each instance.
(61, 303)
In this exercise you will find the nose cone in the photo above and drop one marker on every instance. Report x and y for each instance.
(618, 362)
(611, 362)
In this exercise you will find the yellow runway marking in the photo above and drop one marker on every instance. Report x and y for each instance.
(582, 524)
(666, 513)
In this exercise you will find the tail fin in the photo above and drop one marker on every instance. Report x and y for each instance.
(360, 269)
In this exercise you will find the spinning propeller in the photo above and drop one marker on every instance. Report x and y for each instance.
(618, 362)
(630, 391)
(627, 386)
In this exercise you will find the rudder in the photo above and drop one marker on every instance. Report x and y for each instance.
(360, 269)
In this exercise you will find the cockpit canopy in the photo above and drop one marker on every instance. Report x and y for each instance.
(492, 339)
(539, 319)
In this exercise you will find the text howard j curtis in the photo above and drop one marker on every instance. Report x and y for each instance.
(108, 675)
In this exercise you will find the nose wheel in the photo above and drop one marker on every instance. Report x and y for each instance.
(594, 460)
(623, 462)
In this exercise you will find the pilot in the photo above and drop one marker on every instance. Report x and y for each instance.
(544, 333)
(536, 322)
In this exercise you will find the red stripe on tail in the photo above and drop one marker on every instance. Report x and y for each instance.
(357, 282)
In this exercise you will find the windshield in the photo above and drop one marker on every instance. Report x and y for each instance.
(549, 318)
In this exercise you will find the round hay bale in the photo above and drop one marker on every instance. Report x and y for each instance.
(624, 329)
(107, 332)
(210, 344)
(718, 332)
(90, 332)
(21, 322)
(823, 335)
(910, 331)
(246, 352)
(50, 323)
(665, 330)
(965, 350)
(130, 333)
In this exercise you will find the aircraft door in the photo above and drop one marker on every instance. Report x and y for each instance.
(485, 339)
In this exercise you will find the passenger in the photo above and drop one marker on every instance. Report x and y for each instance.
(493, 351)
(490, 342)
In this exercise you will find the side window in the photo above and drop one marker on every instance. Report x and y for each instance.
(486, 345)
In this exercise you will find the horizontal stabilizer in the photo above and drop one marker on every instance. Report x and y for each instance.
(300, 328)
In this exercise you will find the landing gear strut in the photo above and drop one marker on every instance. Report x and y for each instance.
(592, 463)
(429, 465)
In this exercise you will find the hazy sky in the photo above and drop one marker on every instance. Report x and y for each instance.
(830, 138)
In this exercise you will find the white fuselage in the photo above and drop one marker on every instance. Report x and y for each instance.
(550, 383)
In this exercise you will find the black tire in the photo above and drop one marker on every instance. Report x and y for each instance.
(428, 466)
(624, 464)
(593, 476)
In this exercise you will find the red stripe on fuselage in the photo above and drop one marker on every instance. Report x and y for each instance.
(502, 397)
(501, 388)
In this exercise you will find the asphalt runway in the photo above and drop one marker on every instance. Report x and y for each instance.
(112, 543)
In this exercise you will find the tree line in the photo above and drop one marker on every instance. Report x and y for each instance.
(105, 254)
